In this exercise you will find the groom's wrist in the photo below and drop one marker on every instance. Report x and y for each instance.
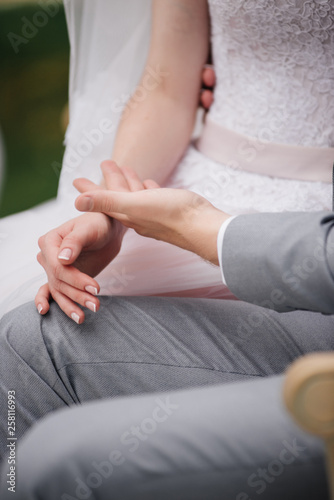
(206, 234)
(218, 220)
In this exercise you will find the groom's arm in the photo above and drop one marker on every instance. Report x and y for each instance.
(282, 261)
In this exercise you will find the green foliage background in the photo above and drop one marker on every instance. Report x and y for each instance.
(33, 93)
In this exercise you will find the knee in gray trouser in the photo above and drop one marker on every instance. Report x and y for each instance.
(22, 349)
(27, 371)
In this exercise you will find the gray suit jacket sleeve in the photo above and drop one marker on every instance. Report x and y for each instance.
(282, 261)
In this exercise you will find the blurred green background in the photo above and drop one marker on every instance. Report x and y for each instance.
(33, 96)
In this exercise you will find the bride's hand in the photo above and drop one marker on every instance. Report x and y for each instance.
(176, 216)
(71, 255)
(79, 249)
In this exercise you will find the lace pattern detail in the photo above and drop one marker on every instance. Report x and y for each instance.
(238, 192)
(274, 61)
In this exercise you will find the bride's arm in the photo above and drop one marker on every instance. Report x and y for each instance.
(156, 131)
(151, 139)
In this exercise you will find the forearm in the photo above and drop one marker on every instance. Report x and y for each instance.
(176, 216)
(153, 135)
(158, 121)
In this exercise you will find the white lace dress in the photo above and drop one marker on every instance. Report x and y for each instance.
(274, 61)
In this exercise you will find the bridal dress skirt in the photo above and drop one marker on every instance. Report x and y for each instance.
(149, 267)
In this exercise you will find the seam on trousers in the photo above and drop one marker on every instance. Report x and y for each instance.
(162, 364)
(31, 368)
(58, 379)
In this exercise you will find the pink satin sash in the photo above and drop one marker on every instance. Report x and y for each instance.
(266, 158)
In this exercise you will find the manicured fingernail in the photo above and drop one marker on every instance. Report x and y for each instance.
(86, 203)
(91, 289)
(39, 308)
(65, 254)
(91, 306)
(75, 317)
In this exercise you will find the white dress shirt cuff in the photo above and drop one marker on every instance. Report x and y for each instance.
(220, 243)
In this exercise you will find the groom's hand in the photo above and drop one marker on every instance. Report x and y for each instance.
(175, 216)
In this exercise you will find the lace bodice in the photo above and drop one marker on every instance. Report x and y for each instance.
(274, 61)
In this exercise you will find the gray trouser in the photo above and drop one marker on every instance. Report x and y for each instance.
(232, 440)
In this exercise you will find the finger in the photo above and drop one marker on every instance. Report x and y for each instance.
(116, 205)
(206, 98)
(114, 178)
(107, 202)
(49, 246)
(151, 184)
(69, 307)
(51, 243)
(134, 182)
(42, 299)
(52, 237)
(209, 76)
(71, 276)
(83, 185)
(73, 243)
(40, 259)
(77, 296)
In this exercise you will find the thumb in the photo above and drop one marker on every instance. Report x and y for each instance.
(73, 243)
(108, 202)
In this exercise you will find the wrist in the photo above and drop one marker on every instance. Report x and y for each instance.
(206, 233)
(118, 228)
(217, 219)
